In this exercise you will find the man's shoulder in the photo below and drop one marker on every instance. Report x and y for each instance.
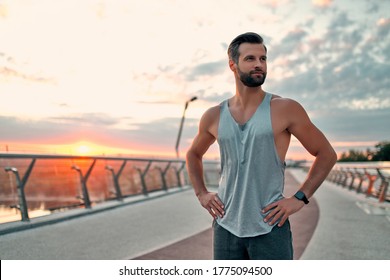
(283, 101)
(287, 107)
(211, 115)
(213, 111)
(210, 120)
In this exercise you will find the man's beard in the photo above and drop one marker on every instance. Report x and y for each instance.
(249, 80)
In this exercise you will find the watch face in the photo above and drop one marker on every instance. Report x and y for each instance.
(299, 195)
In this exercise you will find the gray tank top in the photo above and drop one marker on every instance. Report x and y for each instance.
(252, 174)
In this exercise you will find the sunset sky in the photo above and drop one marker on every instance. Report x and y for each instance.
(112, 77)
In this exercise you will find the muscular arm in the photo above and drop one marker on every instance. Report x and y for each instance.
(317, 145)
(201, 143)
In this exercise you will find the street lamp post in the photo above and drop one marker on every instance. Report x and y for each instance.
(181, 125)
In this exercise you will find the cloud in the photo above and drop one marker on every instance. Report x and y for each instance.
(341, 69)
(340, 21)
(289, 43)
(156, 102)
(97, 128)
(383, 27)
(373, 7)
(210, 95)
(205, 69)
(33, 132)
(91, 119)
(340, 77)
(3, 11)
(54, 130)
(8, 73)
(273, 4)
(322, 3)
(344, 124)
(9, 70)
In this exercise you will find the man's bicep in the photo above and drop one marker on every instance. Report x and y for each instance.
(307, 133)
(201, 143)
(311, 138)
(205, 137)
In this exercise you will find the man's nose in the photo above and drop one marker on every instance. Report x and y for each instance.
(259, 63)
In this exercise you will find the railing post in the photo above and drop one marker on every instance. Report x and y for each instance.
(163, 172)
(338, 176)
(383, 187)
(353, 176)
(371, 179)
(21, 183)
(345, 178)
(142, 175)
(331, 175)
(83, 181)
(178, 171)
(116, 179)
(361, 179)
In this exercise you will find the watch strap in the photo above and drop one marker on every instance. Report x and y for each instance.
(301, 196)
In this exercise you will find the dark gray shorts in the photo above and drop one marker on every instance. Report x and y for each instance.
(276, 245)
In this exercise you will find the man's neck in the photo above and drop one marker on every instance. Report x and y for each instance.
(248, 96)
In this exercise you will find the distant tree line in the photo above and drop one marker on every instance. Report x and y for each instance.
(380, 153)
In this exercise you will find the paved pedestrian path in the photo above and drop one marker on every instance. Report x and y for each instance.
(122, 232)
(336, 224)
(350, 226)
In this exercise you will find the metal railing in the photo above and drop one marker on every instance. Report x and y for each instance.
(369, 179)
(58, 182)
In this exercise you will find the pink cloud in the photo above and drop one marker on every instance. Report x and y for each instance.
(322, 3)
(382, 22)
(3, 11)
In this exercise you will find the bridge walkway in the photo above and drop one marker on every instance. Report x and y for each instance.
(336, 224)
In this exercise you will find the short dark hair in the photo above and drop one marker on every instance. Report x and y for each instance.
(248, 37)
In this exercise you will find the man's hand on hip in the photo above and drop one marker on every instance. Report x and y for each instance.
(211, 202)
(281, 210)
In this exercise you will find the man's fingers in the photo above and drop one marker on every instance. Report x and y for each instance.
(271, 213)
(219, 202)
(212, 213)
(217, 211)
(282, 221)
(269, 207)
(276, 218)
(218, 206)
(213, 205)
(273, 216)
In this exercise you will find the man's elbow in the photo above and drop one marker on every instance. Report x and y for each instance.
(188, 155)
(326, 154)
(334, 157)
(191, 155)
(331, 156)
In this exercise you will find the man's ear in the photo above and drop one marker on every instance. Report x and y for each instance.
(232, 65)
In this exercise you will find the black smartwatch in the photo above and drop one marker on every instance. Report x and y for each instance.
(301, 196)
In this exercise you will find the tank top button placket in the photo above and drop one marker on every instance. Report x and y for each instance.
(242, 141)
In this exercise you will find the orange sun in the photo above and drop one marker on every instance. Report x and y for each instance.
(83, 150)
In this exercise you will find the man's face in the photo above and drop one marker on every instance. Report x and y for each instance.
(252, 64)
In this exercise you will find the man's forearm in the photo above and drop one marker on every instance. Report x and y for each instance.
(318, 172)
(195, 172)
